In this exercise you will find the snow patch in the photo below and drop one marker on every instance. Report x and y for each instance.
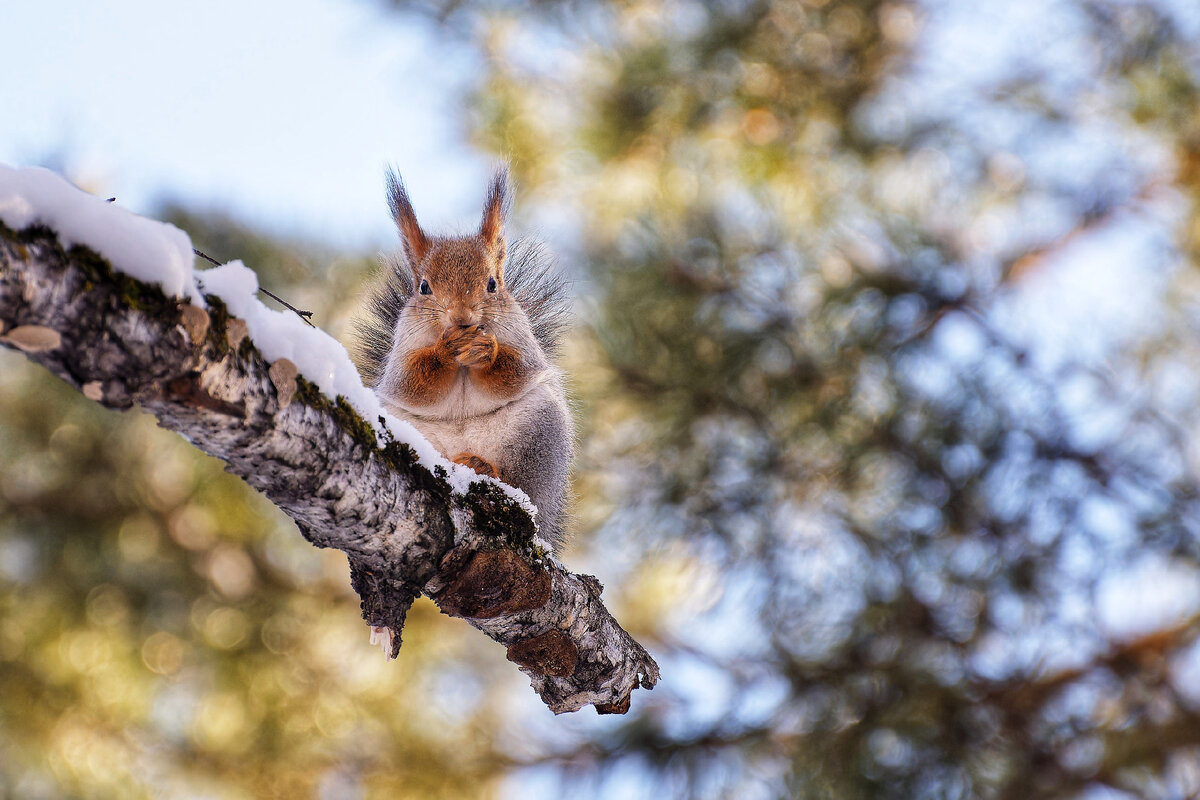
(323, 360)
(151, 251)
(159, 253)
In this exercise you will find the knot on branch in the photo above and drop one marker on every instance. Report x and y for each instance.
(187, 391)
(550, 653)
(495, 583)
(619, 707)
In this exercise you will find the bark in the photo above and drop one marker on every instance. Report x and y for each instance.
(122, 342)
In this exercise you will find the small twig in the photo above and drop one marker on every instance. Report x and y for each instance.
(304, 315)
(206, 257)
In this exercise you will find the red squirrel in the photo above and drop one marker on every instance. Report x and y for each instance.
(458, 340)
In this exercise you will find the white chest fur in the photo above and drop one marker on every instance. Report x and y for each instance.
(467, 421)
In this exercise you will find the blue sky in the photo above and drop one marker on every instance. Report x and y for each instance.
(285, 114)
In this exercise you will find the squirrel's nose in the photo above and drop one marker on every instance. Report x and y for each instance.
(463, 317)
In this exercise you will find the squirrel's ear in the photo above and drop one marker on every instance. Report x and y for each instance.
(495, 209)
(416, 243)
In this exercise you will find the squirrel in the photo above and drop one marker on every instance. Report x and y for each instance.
(459, 337)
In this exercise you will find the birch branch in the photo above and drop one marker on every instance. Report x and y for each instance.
(122, 341)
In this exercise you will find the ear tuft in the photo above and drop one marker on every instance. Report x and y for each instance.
(415, 242)
(495, 209)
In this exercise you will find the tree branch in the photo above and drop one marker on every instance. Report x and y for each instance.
(121, 341)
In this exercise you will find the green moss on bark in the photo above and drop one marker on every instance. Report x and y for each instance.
(485, 501)
(97, 271)
(218, 327)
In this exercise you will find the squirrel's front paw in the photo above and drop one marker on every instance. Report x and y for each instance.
(482, 350)
(456, 339)
(481, 466)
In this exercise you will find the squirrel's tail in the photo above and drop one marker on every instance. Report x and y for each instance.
(541, 291)
(375, 327)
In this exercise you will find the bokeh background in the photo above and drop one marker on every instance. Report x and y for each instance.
(886, 371)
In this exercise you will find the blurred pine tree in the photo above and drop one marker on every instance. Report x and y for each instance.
(890, 375)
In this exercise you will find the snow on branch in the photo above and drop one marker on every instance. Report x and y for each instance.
(109, 302)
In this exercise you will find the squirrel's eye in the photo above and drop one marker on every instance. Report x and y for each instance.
(491, 284)
(425, 287)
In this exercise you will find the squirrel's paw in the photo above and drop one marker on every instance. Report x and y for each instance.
(456, 339)
(482, 350)
(476, 463)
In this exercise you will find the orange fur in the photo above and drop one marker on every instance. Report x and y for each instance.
(416, 243)
(480, 352)
(456, 271)
(505, 375)
(480, 465)
(430, 371)
(494, 208)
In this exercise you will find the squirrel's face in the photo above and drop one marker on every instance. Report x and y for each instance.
(460, 282)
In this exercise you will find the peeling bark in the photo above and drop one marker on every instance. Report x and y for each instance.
(405, 533)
